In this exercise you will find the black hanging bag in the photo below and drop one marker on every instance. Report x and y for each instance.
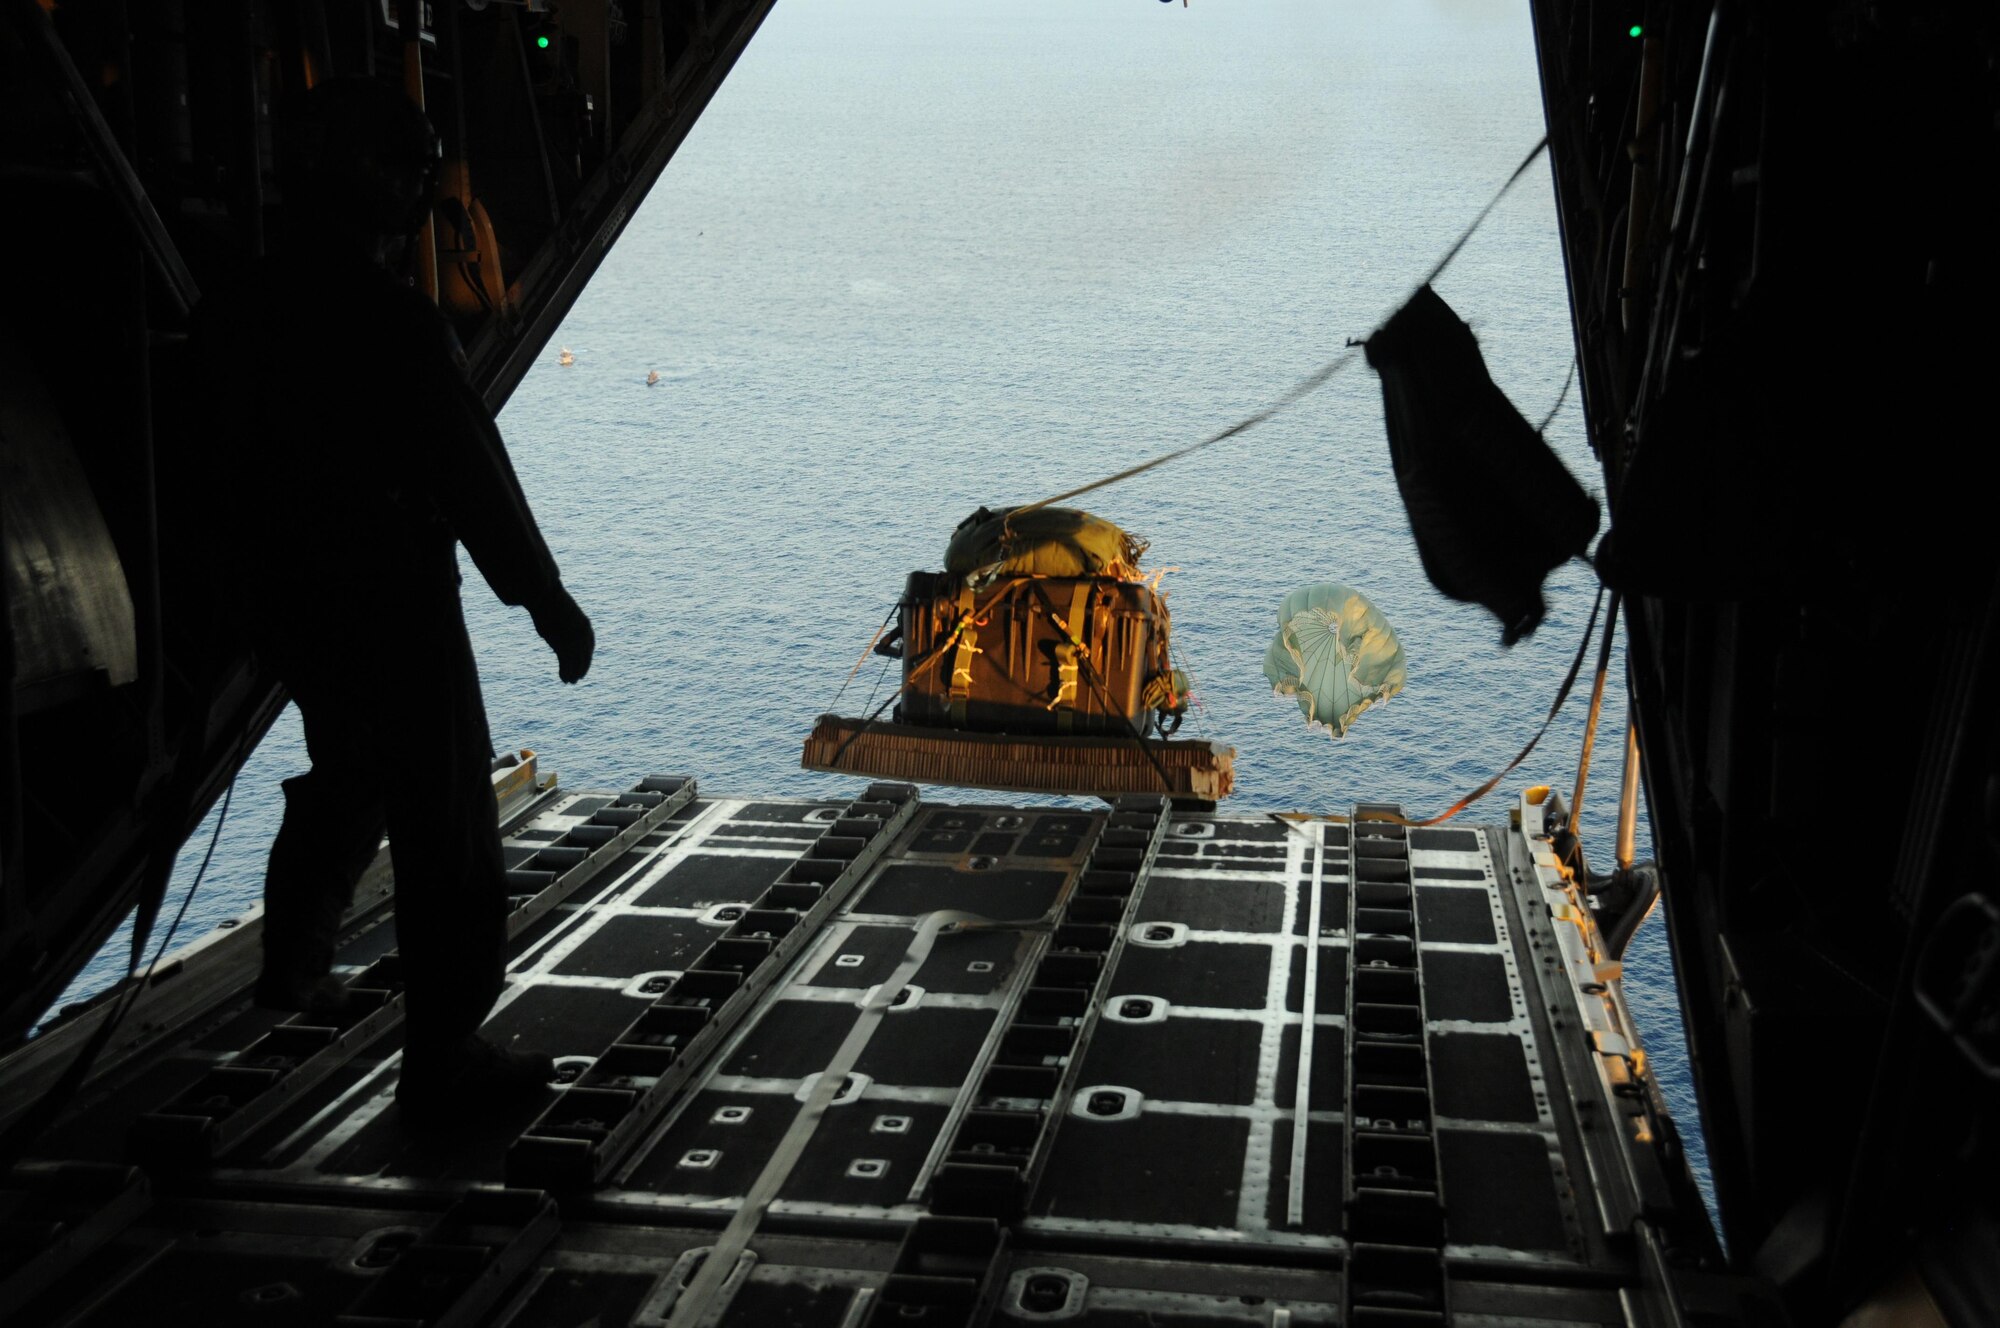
(1492, 509)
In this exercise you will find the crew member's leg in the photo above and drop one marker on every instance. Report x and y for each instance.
(444, 833)
(331, 829)
(451, 889)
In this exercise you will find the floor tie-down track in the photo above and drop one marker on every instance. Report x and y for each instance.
(1174, 1069)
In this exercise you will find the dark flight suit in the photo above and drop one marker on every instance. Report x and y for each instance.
(352, 453)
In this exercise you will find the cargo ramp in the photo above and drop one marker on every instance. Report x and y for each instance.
(1114, 1066)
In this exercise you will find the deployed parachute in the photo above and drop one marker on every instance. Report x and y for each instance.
(1491, 507)
(1335, 652)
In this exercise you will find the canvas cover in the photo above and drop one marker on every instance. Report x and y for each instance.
(1047, 541)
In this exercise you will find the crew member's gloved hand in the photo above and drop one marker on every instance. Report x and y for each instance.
(567, 630)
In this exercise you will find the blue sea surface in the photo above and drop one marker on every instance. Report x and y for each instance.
(920, 257)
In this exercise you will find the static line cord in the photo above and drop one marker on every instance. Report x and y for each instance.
(936, 654)
(1561, 397)
(1306, 386)
(214, 837)
(862, 658)
(29, 1125)
(880, 675)
(1555, 708)
(1562, 695)
(132, 988)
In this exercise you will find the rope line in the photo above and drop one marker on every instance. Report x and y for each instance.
(915, 671)
(1562, 696)
(42, 1112)
(862, 658)
(876, 688)
(1485, 212)
(1577, 667)
(1561, 397)
(1104, 696)
(1304, 387)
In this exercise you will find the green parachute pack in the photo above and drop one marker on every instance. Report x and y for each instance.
(1044, 541)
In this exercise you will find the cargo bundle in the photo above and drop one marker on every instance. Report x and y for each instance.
(1041, 628)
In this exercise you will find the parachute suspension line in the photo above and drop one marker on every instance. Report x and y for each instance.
(1178, 659)
(862, 658)
(1485, 212)
(1304, 387)
(1561, 397)
(1596, 709)
(42, 1112)
(208, 855)
(880, 674)
(916, 671)
(937, 653)
(1562, 695)
(890, 699)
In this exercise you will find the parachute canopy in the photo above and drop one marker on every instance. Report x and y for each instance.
(1335, 652)
(1049, 541)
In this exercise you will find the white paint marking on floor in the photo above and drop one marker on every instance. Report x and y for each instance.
(1253, 1197)
(1295, 1199)
(578, 925)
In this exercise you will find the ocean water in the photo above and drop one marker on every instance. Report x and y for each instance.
(920, 257)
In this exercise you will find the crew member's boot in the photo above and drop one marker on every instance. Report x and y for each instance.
(278, 989)
(331, 831)
(469, 1078)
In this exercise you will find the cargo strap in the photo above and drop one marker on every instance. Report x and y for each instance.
(961, 660)
(1096, 682)
(1074, 628)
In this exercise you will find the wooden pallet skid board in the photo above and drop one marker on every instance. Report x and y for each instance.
(1013, 763)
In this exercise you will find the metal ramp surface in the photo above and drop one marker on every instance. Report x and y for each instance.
(1082, 1106)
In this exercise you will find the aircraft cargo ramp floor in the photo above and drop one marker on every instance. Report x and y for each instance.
(1129, 1065)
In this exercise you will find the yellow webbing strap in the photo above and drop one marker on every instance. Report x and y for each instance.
(961, 660)
(1066, 655)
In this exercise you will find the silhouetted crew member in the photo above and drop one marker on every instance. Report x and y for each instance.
(352, 453)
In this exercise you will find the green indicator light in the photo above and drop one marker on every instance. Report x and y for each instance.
(543, 42)
(1636, 30)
